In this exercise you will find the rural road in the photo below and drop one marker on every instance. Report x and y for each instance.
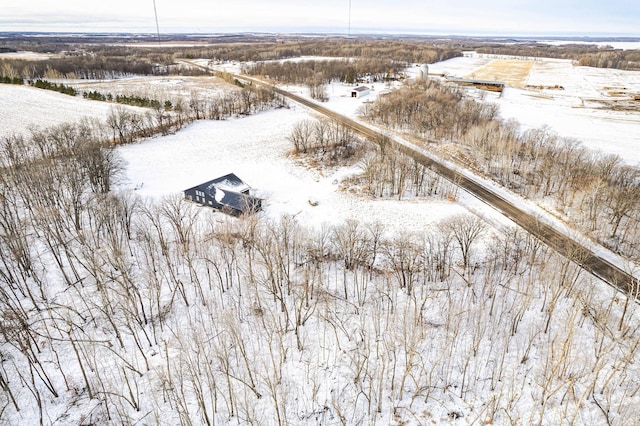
(584, 256)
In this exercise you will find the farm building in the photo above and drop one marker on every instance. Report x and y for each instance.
(228, 193)
(423, 72)
(360, 91)
(494, 86)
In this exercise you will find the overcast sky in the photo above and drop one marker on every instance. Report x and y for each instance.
(464, 17)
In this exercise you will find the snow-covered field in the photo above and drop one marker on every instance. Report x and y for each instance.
(24, 108)
(25, 55)
(583, 110)
(160, 88)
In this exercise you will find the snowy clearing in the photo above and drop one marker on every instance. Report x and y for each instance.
(28, 56)
(160, 88)
(256, 149)
(25, 108)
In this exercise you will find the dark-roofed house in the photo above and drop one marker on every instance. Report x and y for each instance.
(228, 193)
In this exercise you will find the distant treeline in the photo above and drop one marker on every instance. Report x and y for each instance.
(345, 70)
(586, 55)
(79, 66)
(410, 52)
(104, 61)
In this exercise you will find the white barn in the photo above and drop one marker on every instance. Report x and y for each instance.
(360, 91)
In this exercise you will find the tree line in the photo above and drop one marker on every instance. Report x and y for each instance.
(599, 192)
(584, 55)
(56, 87)
(11, 80)
(79, 67)
(104, 61)
(402, 51)
(134, 100)
(385, 172)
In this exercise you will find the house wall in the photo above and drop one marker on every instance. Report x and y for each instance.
(197, 195)
(359, 94)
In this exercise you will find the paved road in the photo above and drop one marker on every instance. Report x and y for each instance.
(582, 255)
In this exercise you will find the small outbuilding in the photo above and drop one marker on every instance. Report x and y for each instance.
(360, 91)
(228, 193)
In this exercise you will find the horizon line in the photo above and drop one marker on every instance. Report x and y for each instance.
(363, 32)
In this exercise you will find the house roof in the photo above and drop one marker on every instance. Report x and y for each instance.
(228, 191)
(360, 89)
(229, 182)
(235, 200)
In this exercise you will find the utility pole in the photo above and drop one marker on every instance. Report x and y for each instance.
(155, 12)
(349, 28)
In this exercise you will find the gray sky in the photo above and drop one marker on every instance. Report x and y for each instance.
(487, 17)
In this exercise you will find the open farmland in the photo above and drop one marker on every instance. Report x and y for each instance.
(26, 108)
(593, 105)
(513, 73)
(160, 88)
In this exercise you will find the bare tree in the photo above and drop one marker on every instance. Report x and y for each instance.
(466, 230)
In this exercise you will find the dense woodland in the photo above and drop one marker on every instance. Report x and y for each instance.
(103, 62)
(409, 52)
(83, 65)
(317, 74)
(325, 71)
(120, 310)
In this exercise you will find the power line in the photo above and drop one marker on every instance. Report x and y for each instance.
(155, 11)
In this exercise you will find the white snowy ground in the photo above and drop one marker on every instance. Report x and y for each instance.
(23, 108)
(161, 88)
(573, 112)
(26, 55)
(257, 150)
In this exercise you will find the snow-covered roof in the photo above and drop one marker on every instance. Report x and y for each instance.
(229, 182)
